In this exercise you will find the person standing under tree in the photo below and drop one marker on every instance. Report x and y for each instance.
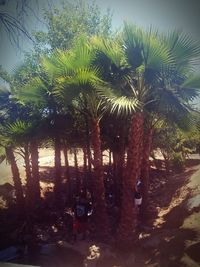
(82, 209)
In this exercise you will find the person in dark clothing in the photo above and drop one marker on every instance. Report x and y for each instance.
(82, 210)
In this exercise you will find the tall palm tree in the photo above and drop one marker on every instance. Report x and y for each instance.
(22, 134)
(76, 74)
(129, 66)
(8, 144)
(150, 65)
(174, 92)
(8, 147)
(37, 92)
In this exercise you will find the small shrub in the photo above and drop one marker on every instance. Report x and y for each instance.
(177, 162)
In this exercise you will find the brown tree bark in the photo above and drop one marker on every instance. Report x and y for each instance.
(128, 220)
(120, 170)
(76, 171)
(66, 159)
(29, 179)
(87, 137)
(84, 180)
(67, 175)
(145, 171)
(35, 171)
(16, 179)
(100, 214)
(57, 163)
(110, 159)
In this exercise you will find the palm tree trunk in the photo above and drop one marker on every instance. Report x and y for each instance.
(110, 159)
(100, 214)
(120, 170)
(85, 169)
(76, 171)
(29, 182)
(88, 145)
(67, 175)
(16, 179)
(65, 153)
(128, 222)
(115, 162)
(35, 171)
(85, 159)
(57, 162)
(145, 171)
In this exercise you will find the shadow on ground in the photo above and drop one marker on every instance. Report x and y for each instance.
(164, 241)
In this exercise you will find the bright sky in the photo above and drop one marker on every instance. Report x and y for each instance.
(163, 14)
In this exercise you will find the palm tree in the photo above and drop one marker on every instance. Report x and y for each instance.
(22, 134)
(16, 178)
(37, 92)
(8, 144)
(9, 154)
(175, 90)
(150, 65)
(75, 74)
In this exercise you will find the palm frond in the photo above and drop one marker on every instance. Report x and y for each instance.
(119, 104)
(18, 128)
(35, 91)
(146, 52)
(133, 44)
(65, 93)
(184, 49)
(67, 63)
(111, 49)
(93, 105)
(192, 82)
(170, 102)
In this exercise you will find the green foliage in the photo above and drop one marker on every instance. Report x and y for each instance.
(66, 23)
(177, 162)
(18, 129)
(4, 75)
(119, 104)
(145, 48)
(184, 49)
(175, 144)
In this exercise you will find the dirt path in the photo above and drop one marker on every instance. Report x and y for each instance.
(173, 238)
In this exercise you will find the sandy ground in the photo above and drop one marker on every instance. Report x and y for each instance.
(46, 159)
(172, 237)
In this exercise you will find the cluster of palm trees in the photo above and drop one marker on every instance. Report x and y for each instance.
(103, 93)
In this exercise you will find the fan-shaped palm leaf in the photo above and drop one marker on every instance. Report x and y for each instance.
(35, 91)
(119, 103)
(18, 129)
(184, 49)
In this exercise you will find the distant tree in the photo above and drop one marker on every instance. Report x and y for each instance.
(67, 22)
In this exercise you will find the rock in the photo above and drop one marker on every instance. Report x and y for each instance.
(100, 256)
(93, 257)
